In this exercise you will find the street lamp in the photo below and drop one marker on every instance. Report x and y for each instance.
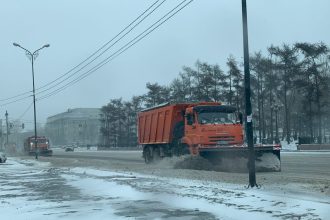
(248, 106)
(32, 57)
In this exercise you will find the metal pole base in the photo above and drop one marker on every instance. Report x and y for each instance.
(250, 186)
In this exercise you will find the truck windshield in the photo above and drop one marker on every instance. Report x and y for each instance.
(216, 118)
(42, 141)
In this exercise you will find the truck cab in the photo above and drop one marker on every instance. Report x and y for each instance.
(210, 126)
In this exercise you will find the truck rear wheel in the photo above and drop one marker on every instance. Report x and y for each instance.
(156, 154)
(147, 155)
(151, 154)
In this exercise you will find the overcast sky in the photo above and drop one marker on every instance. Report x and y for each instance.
(209, 30)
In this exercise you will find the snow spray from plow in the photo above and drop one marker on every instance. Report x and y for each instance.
(266, 162)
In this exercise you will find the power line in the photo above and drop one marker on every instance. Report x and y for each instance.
(120, 51)
(110, 42)
(17, 100)
(15, 96)
(26, 110)
(114, 55)
(109, 47)
(97, 51)
(22, 115)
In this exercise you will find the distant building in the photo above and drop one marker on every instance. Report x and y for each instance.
(76, 126)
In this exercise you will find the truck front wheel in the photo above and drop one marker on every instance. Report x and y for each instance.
(178, 133)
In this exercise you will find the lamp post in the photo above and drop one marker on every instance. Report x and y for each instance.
(32, 57)
(248, 106)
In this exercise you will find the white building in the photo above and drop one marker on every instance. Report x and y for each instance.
(75, 126)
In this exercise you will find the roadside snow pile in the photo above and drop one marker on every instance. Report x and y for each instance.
(290, 147)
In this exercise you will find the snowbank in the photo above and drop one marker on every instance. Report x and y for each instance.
(289, 147)
(224, 201)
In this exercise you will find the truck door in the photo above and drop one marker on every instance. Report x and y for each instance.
(190, 123)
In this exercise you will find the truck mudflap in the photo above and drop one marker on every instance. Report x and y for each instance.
(46, 153)
(235, 158)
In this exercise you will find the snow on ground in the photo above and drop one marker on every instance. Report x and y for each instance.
(34, 190)
(224, 201)
(290, 147)
(83, 149)
(29, 191)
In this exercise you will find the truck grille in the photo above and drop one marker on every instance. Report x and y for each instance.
(217, 139)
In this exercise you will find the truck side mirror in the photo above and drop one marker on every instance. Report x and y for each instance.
(240, 117)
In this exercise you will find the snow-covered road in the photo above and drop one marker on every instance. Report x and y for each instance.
(36, 190)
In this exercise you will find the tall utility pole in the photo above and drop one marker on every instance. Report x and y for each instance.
(32, 57)
(248, 107)
(7, 128)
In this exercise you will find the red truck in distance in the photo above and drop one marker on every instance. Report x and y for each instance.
(43, 146)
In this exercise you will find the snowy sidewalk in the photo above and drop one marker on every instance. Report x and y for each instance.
(35, 190)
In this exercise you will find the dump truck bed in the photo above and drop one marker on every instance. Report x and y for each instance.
(155, 126)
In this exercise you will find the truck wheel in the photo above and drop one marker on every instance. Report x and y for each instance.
(147, 155)
(178, 133)
(156, 154)
(181, 149)
(185, 149)
(176, 147)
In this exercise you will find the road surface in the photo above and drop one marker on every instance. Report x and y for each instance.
(300, 169)
(296, 166)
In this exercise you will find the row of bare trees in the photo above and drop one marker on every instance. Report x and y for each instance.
(290, 86)
(293, 82)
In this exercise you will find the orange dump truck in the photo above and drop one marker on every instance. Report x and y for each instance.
(43, 146)
(211, 130)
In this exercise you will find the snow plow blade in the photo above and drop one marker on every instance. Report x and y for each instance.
(267, 158)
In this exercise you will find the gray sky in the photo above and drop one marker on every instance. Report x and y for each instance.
(209, 30)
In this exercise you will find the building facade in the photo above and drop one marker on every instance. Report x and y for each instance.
(76, 126)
